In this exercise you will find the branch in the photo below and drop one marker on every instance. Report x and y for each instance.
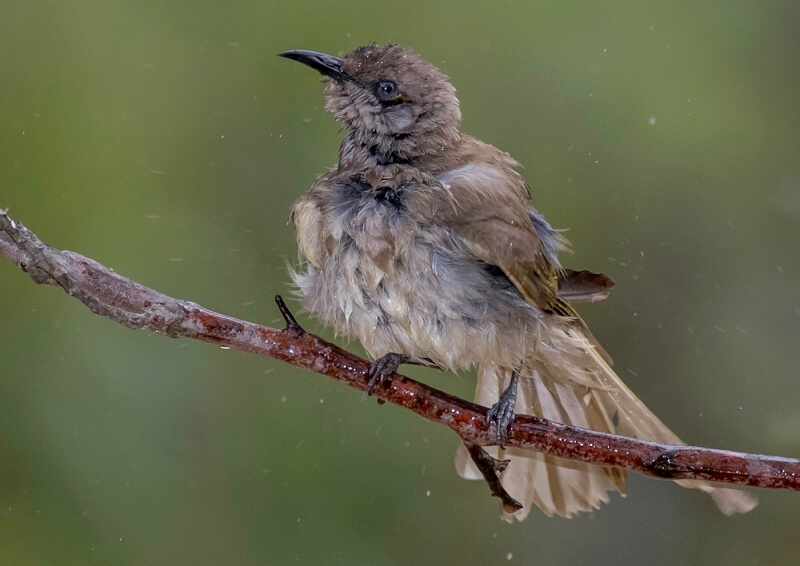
(141, 308)
(491, 468)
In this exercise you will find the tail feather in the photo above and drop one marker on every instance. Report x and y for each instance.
(570, 382)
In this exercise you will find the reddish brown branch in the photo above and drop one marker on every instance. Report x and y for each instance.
(135, 306)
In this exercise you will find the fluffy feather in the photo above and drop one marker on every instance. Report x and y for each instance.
(569, 382)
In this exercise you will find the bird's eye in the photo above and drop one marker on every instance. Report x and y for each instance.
(386, 90)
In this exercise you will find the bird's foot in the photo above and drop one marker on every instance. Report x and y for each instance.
(381, 369)
(502, 413)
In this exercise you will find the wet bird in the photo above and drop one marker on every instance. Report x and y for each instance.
(422, 243)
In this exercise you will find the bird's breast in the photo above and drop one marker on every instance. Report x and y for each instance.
(403, 284)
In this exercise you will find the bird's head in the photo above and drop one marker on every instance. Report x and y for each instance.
(389, 97)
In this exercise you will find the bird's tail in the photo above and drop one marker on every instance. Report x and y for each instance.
(569, 381)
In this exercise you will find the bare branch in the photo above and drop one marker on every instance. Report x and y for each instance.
(490, 469)
(135, 306)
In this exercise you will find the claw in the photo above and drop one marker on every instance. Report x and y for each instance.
(502, 412)
(381, 369)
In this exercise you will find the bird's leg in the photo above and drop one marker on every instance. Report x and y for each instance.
(381, 369)
(502, 412)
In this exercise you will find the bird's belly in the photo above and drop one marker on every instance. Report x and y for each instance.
(434, 303)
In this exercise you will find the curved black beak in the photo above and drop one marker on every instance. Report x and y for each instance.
(328, 65)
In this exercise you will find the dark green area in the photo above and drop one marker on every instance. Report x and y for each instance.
(167, 141)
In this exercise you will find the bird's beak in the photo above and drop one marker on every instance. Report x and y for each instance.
(328, 65)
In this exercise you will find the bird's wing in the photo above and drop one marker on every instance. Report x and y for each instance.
(517, 250)
(486, 206)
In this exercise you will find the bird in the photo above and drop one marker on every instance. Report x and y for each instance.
(422, 243)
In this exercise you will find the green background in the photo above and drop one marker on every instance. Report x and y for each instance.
(167, 141)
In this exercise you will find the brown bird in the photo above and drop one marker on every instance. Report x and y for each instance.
(421, 242)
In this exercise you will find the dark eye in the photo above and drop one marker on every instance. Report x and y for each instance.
(386, 90)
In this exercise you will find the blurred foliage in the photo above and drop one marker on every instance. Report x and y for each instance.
(166, 140)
